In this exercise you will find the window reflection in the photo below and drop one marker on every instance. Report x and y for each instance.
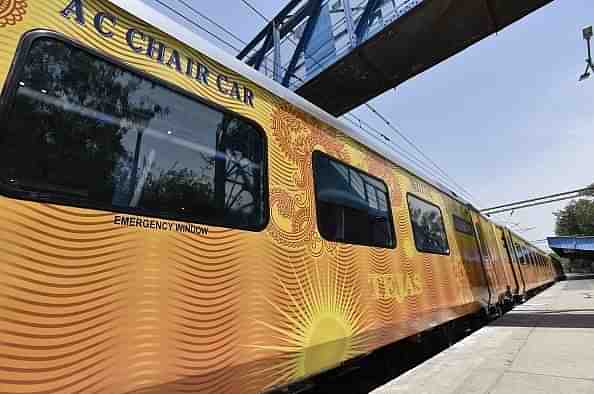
(428, 227)
(352, 207)
(82, 130)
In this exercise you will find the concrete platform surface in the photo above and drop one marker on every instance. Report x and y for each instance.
(545, 345)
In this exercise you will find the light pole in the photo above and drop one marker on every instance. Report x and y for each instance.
(587, 32)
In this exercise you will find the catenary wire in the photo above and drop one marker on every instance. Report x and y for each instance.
(184, 17)
(416, 148)
(254, 9)
(221, 27)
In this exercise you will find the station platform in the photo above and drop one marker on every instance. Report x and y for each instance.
(545, 345)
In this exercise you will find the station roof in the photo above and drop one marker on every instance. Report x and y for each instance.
(574, 247)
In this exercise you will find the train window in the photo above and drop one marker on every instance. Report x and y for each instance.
(352, 207)
(522, 254)
(84, 131)
(428, 227)
(463, 226)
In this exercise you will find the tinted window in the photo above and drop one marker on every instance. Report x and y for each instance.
(519, 253)
(525, 255)
(352, 206)
(428, 228)
(84, 131)
(463, 226)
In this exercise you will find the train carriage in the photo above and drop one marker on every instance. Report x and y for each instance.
(175, 222)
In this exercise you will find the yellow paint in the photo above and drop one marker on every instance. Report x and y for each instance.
(327, 344)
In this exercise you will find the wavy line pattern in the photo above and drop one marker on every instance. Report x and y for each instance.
(205, 293)
(63, 293)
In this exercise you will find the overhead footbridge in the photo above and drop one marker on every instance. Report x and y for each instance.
(339, 54)
(573, 247)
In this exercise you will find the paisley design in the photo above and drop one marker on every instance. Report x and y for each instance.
(293, 221)
(12, 12)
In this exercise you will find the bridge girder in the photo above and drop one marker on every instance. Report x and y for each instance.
(339, 55)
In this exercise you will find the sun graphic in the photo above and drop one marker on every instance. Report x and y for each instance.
(323, 324)
(12, 11)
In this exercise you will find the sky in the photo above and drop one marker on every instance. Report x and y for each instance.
(506, 118)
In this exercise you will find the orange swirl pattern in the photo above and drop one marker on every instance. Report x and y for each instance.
(296, 136)
(88, 306)
(63, 282)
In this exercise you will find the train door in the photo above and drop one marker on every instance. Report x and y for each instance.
(498, 262)
(490, 259)
(506, 262)
(486, 257)
(515, 261)
(527, 270)
(471, 257)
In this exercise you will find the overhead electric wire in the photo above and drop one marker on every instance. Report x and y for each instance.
(515, 208)
(419, 150)
(416, 162)
(251, 7)
(184, 17)
(577, 191)
(221, 27)
(419, 169)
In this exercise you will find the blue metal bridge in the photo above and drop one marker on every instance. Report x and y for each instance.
(339, 54)
(577, 247)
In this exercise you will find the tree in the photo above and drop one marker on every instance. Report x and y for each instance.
(67, 129)
(577, 218)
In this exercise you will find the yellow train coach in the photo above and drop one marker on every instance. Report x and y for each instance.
(172, 221)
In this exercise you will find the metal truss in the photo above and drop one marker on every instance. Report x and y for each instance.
(307, 36)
